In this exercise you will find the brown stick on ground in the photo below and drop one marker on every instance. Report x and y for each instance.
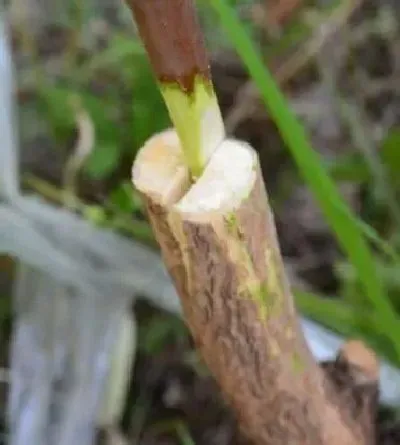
(219, 243)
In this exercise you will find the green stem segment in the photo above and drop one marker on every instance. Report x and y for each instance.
(174, 43)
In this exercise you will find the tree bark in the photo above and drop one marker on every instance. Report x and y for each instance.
(173, 39)
(219, 243)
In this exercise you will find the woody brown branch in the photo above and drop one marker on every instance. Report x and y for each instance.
(228, 271)
(173, 40)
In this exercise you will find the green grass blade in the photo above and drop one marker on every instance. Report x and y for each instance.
(184, 435)
(306, 158)
(383, 245)
(332, 313)
(336, 211)
(347, 321)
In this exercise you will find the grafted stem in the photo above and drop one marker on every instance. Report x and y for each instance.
(219, 242)
(174, 43)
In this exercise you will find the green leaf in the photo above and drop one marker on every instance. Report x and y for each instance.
(184, 434)
(331, 312)
(120, 49)
(54, 106)
(55, 102)
(346, 320)
(125, 199)
(391, 153)
(309, 163)
(389, 273)
(95, 214)
(158, 331)
(102, 161)
(350, 167)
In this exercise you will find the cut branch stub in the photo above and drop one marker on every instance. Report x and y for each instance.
(173, 40)
(219, 243)
(355, 375)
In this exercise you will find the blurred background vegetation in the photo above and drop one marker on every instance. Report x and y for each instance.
(87, 101)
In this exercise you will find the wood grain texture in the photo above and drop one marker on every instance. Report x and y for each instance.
(228, 271)
(173, 40)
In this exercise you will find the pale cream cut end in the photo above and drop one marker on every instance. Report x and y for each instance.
(228, 178)
(160, 172)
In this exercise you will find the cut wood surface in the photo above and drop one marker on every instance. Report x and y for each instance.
(219, 242)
